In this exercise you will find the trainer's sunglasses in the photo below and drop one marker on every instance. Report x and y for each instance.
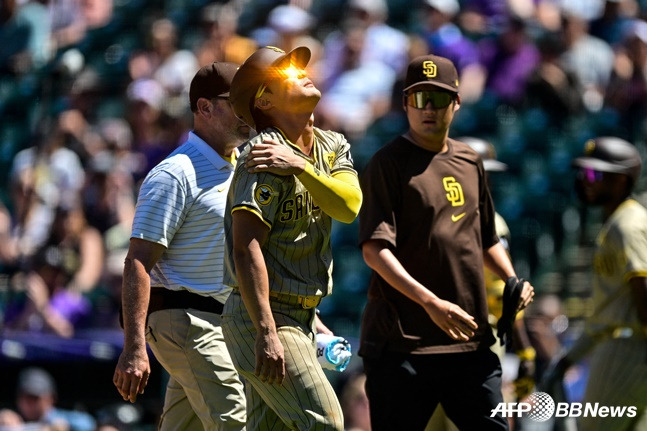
(591, 175)
(291, 71)
(438, 99)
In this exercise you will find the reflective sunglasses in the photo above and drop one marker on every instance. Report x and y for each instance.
(591, 175)
(438, 99)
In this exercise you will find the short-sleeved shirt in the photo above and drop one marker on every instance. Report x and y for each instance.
(436, 213)
(297, 251)
(621, 254)
(181, 205)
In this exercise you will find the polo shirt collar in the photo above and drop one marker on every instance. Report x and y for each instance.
(216, 160)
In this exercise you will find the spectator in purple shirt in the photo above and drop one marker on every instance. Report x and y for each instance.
(509, 59)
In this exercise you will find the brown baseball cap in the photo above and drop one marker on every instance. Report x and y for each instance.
(211, 81)
(431, 70)
(261, 66)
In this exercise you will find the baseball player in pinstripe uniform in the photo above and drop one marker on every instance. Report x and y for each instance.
(279, 261)
(616, 332)
(172, 291)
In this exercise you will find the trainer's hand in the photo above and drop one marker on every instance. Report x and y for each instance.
(271, 156)
(270, 358)
(131, 373)
(527, 295)
(452, 319)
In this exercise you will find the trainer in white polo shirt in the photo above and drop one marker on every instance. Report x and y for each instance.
(172, 290)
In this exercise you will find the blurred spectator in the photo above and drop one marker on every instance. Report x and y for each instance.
(24, 33)
(509, 59)
(174, 67)
(383, 43)
(10, 420)
(552, 87)
(68, 22)
(140, 65)
(222, 41)
(108, 194)
(42, 177)
(590, 58)
(8, 241)
(627, 90)
(610, 25)
(358, 93)
(119, 417)
(146, 99)
(96, 13)
(545, 322)
(445, 38)
(290, 27)
(49, 295)
(36, 402)
(494, 14)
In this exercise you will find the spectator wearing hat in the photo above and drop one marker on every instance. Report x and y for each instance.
(615, 334)
(279, 258)
(172, 294)
(36, 402)
(426, 230)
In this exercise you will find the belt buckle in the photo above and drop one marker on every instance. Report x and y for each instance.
(308, 302)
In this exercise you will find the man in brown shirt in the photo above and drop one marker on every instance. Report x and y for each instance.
(426, 230)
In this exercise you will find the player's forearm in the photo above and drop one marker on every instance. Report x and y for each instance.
(135, 297)
(383, 261)
(251, 273)
(497, 260)
(339, 196)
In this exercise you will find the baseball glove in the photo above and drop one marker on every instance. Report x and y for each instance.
(511, 295)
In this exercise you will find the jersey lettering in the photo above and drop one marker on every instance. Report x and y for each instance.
(294, 209)
(454, 191)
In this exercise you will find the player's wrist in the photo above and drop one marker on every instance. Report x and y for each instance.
(299, 165)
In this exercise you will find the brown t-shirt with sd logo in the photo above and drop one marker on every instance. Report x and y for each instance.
(436, 213)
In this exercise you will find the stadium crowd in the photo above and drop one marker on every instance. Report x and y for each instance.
(94, 93)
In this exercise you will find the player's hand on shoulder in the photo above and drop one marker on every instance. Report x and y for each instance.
(270, 358)
(452, 319)
(274, 157)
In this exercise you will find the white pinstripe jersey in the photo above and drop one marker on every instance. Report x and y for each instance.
(181, 206)
(297, 252)
(620, 255)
